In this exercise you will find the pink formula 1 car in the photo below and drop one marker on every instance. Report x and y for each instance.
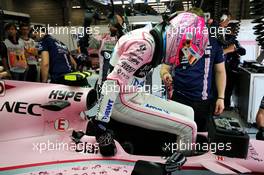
(37, 122)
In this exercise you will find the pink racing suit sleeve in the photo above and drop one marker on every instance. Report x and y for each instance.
(132, 55)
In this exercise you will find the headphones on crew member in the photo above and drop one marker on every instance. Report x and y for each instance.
(224, 16)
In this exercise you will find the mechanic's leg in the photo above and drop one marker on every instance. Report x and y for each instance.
(203, 110)
(154, 113)
(229, 89)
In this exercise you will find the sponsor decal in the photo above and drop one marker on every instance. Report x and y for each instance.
(143, 71)
(135, 55)
(133, 60)
(142, 48)
(2, 88)
(65, 95)
(121, 73)
(20, 108)
(127, 67)
(156, 108)
(219, 158)
(60, 45)
(138, 83)
(108, 109)
(61, 124)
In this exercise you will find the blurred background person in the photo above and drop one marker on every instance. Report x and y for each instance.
(31, 52)
(232, 63)
(14, 61)
(56, 60)
(192, 84)
(3, 73)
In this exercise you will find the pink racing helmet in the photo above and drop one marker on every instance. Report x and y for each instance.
(186, 28)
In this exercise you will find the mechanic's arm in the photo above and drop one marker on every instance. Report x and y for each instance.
(230, 49)
(165, 74)
(73, 63)
(5, 65)
(44, 66)
(220, 77)
(5, 59)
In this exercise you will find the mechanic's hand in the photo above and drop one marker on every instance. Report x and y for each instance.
(167, 79)
(219, 107)
(230, 49)
(5, 75)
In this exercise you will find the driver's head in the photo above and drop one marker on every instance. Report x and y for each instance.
(186, 35)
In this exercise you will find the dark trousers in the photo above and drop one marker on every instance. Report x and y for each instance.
(202, 110)
(18, 76)
(32, 73)
(231, 82)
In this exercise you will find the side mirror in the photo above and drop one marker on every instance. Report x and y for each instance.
(91, 99)
(55, 105)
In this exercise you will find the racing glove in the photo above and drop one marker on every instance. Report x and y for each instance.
(103, 136)
(175, 162)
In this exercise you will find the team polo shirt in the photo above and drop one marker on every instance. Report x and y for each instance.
(59, 60)
(195, 82)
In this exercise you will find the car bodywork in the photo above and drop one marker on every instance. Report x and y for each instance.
(34, 140)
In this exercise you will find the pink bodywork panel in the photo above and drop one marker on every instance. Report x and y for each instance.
(31, 145)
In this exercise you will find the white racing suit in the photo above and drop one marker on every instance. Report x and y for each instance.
(124, 101)
(105, 52)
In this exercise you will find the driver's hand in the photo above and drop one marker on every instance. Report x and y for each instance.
(167, 79)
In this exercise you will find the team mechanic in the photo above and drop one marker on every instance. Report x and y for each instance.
(135, 54)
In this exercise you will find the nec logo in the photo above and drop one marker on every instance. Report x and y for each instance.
(108, 110)
(2, 88)
(21, 108)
